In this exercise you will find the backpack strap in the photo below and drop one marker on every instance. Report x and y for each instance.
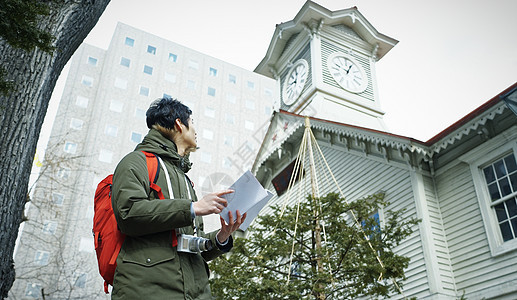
(153, 167)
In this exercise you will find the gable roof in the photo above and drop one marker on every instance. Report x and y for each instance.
(286, 127)
(311, 12)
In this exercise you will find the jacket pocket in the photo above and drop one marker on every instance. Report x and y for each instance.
(149, 257)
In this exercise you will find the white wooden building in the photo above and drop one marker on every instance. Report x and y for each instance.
(462, 183)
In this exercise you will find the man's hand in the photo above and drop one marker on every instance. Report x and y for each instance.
(228, 229)
(211, 203)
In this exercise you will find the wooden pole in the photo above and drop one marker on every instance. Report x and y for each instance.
(315, 195)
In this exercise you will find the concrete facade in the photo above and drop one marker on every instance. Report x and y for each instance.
(101, 117)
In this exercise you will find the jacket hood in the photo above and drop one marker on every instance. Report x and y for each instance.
(156, 143)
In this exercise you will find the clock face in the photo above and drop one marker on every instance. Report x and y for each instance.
(347, 72)
(295, 81)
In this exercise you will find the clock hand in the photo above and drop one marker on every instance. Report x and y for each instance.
(349, 69)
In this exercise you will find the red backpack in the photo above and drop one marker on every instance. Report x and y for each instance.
(107, 236)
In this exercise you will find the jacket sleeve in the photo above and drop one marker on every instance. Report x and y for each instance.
(137, 213)
(217, 250)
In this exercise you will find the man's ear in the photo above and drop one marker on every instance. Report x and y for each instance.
(177, 125)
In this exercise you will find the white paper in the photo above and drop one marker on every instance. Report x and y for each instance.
(248, 197)
(253, 212)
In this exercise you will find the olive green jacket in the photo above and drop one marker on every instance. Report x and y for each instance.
(148, 267)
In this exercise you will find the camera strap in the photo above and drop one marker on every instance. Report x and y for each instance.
(169, 185)
(171, 191)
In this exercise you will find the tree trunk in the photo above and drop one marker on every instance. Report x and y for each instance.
(34, 75)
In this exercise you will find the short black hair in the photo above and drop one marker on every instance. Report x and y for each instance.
(165, 111)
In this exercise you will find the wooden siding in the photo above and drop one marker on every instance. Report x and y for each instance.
(473, 265)
(438, 239)
(360, 176)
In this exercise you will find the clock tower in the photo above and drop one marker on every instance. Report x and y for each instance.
(324, 63)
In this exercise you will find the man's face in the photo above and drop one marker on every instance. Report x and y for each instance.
(189, 135)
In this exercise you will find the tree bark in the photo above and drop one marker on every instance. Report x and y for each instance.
(34, 75)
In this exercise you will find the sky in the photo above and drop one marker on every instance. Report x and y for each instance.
(452, 55)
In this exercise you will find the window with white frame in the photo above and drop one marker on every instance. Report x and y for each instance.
(227, 163)
(209, 112)
(493, 170)
(267, 110)
(33, 290)
(192, 64)
(120, 83)
(170, 77)
(208, 134)
(70, 147)
(249, 125)
(81, 101)
(116, 105)
(230, 118)
(231, 98)
(85, 245)
(228, 140)
(268, 93)
(80, 281)
(111, 130)
(63, 173)
(232, 78)
(144, 91)
(76, 124)
(148, 70)
(501, 180)
(91, 61)
(140, 113)
(58, 198)
(211, 91)
(151, 49)
(126, 62)
(136, 137)
(49, 227)
(250, 104)
(41, 257)
(173, 57)
(105, 156)
(191, 84)
(129, 42)
(206, 157)
(212, 72)
(87, 80)
(251, 85)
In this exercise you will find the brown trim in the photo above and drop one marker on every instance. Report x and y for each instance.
(476, 112)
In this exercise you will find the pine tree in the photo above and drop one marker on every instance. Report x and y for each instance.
(259, 265)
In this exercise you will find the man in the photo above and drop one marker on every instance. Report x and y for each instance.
(149, 266)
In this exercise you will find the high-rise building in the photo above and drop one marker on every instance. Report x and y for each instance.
(101, 117)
